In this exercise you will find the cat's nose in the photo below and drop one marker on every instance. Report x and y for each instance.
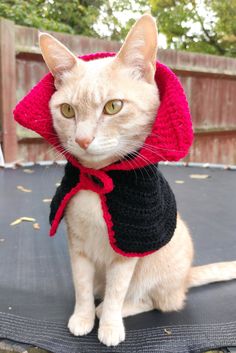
(84, 142)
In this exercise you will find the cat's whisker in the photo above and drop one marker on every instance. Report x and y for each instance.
(161, 148)
(140, 156)
(150, 148)
(133, 164)
(126, 158)
(156, 153)
(61, 150)
(145, 158)
(146, 161)
(127, 154)
(57, 154)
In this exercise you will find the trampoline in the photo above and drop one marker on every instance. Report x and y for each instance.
(36, 291)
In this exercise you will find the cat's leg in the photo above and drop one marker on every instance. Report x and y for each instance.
(82, 320)
(99, 282)
(111, 328)
(131, 308)
(169, 299)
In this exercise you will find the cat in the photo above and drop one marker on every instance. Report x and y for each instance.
(110, 107)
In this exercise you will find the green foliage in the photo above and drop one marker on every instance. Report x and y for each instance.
(117, 17)
(74, 16)
(207, 26)
(202, 26)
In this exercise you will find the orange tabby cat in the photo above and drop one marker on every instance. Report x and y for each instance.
(128, 286)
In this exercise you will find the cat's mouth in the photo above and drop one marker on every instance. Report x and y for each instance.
(101, 151)
(102, 146)
(104, 151)
(94, 158)
(97, 161)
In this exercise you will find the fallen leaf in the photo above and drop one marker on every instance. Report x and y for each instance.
(28, 219)
(179, 182)
(28, 171)
(58, 184)
(22, 219)
(199, 176)
(36, 226)
(47, 200)
(17, 221)
(168, 332)
(21, 188)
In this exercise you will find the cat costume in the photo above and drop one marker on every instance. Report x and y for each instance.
(138, 205)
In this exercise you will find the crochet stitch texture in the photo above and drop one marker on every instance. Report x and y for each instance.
(170, 140)
(142, 206)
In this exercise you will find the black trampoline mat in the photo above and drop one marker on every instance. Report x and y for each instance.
(36, 291)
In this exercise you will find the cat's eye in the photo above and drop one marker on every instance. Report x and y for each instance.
(113, 107)
(67, 111)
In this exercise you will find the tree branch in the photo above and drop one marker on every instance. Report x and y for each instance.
(211, 39)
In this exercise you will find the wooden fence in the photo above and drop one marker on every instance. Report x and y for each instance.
(209, 82)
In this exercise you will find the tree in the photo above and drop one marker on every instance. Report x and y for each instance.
(74, 16)
(207, 26)
(98, 18)
(198, 25)
(117, 17)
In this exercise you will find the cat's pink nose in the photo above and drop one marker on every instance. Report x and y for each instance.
(84, 142)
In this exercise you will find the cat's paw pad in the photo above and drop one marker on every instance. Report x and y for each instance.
(99, 310)
(80, 325)
(111, 334)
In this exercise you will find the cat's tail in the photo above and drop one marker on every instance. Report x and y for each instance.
(217, 272)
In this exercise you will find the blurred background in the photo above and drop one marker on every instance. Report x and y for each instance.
(197, 40)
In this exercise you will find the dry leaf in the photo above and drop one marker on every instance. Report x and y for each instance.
(179, 182)
(58, 184)
(36, 226)
(28, 171)
(28, 219)
(168, 332)
(17, 221)
(199, 176)
(21, 188)
(22, 219)
(47, 200)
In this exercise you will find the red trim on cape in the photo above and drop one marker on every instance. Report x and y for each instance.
(86, 184)
(108, 219)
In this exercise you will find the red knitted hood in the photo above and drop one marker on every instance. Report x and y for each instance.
(171, 136)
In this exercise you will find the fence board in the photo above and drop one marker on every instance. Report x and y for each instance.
(7, 89)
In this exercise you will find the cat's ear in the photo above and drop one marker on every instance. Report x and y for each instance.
(139, 50)
(57, 57)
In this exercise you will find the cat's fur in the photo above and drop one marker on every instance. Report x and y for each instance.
(127, 285)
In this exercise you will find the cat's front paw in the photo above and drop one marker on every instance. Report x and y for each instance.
(80, 325)
(111, 334)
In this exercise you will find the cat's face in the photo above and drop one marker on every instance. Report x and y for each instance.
(104, 109)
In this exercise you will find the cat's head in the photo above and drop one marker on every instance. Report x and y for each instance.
(104, 109)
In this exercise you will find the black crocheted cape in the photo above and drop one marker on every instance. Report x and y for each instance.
(142, 207)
